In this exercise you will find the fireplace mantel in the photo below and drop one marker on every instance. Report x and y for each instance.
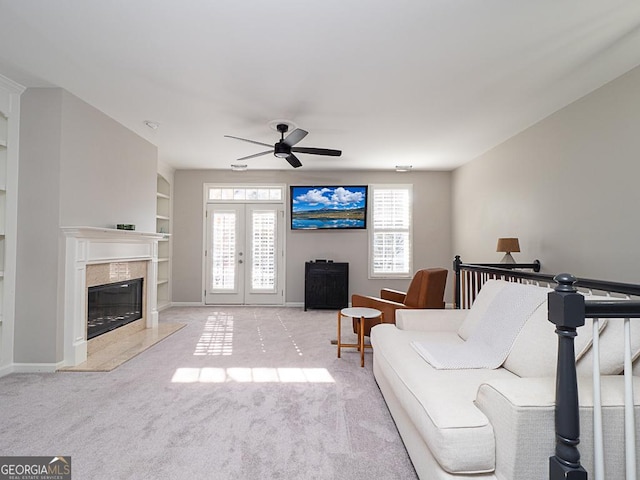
(94, 245)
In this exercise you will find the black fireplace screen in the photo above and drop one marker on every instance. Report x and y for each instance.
(113, 305)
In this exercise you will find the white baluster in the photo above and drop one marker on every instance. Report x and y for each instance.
(629, 417)
(598, 442)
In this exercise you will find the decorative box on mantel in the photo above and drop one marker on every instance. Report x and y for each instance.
(87, 246)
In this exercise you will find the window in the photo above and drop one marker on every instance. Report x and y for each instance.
(241, 193)
(390, 235)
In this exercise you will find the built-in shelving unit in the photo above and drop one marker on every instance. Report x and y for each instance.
(9, 135)
(163, 225)
(4, 130)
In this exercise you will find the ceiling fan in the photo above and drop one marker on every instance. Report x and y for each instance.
(284, 148)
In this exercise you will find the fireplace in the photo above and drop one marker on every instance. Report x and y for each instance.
(113, 305)
(96, 256)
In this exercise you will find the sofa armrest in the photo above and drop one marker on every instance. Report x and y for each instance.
(393, 295)
(521, 412)
(430, 320)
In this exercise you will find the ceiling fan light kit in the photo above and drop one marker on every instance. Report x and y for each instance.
(284, 148)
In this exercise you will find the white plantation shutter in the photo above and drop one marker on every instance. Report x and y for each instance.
(224, 256)
(263, 254)
(390, 248)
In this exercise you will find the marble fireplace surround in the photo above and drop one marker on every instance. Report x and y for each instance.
(104, 255)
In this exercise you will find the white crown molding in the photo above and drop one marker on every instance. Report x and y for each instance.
(11, 85)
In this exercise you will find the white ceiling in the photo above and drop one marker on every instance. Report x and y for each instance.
(428, 83)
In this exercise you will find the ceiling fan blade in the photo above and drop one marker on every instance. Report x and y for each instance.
(295, 136)
(293, 160)
(256, 155)
(317, 151)
(250, 141)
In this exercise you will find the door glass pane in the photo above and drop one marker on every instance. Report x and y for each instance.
(224, 250)
(263, 249)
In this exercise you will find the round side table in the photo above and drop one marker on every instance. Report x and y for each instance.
(359, 314)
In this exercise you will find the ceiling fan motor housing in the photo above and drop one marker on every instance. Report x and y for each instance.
(281, 149)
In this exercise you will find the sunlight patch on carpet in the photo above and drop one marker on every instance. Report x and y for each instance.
(217, 337)
(252, 375)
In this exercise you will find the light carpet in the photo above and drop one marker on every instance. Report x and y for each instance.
(239, 393)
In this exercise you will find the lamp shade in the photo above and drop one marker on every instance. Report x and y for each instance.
(508, 245)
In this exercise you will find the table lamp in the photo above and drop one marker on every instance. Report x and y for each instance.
(508, 245)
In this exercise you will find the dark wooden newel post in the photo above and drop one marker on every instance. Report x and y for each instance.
(566, 311)
(457, 285)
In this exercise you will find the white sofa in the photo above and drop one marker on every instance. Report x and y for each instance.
(495, 423)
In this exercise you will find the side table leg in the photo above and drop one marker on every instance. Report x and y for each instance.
(361, 341)
(339, 329)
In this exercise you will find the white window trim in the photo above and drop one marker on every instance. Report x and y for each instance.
(372, 230)
(206, 201)
(209, 186)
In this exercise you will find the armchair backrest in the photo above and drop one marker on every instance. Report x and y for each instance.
(427, 289)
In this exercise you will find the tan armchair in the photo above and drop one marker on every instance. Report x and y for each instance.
(425, 291)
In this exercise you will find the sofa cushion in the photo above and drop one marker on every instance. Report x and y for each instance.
(432, 320)
(538, 340)
(491, 341)
(487, 293)
(440, 403)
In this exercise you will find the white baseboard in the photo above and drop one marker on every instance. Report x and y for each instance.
(6, 370)
(36, 367)
(294, 304)
(200, 304)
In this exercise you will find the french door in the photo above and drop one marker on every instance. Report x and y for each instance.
(245, 256)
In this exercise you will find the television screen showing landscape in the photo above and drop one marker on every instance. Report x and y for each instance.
(328, 207)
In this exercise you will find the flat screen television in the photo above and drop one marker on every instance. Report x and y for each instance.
(328, 207)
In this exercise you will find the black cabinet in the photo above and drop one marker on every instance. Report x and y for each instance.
(326, 285)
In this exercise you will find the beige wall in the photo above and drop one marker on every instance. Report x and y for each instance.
(78, 167)
(35, 338)
(107, 173)
(567, 187)
(432, 231)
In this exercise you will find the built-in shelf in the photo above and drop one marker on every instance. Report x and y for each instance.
(9, 139)
(163, 225)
